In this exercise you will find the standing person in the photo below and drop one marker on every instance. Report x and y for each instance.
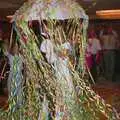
(109, 40)
(88, 56)
(94, 48)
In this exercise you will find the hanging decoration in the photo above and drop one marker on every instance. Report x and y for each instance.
(56, 90)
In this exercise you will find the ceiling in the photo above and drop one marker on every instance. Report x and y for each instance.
(92, 7)
(8, 7)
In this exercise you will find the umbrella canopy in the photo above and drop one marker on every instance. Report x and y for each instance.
(50, 9)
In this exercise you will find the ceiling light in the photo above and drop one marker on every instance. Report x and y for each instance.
(110, 14)
(9, 16)
(102, 12)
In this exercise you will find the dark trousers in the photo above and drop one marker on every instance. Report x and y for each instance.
(93, 70)
(109, 64)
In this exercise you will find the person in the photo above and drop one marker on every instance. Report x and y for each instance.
(47, 49)
(88, 56)
(109, 40)
(108, 28)
(94, 49)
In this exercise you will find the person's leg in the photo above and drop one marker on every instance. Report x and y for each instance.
(112, 70)
(102, 70)
(106, 64)
(109, 59)
(94, 69)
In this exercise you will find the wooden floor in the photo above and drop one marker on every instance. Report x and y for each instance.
(110, 92)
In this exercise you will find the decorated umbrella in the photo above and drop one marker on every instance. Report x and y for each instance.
(80, 101)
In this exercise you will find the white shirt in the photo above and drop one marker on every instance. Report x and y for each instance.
(95, 46)
(109, 42)
(113, 32)
(47, 48)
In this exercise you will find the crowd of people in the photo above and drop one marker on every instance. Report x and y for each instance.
(100, 52)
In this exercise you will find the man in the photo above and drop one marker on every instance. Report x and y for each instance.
(109, 40)
(94, 49)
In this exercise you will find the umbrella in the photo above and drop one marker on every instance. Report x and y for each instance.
(50, 9)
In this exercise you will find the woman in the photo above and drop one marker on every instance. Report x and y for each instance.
(109, 40)
(94, 49)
